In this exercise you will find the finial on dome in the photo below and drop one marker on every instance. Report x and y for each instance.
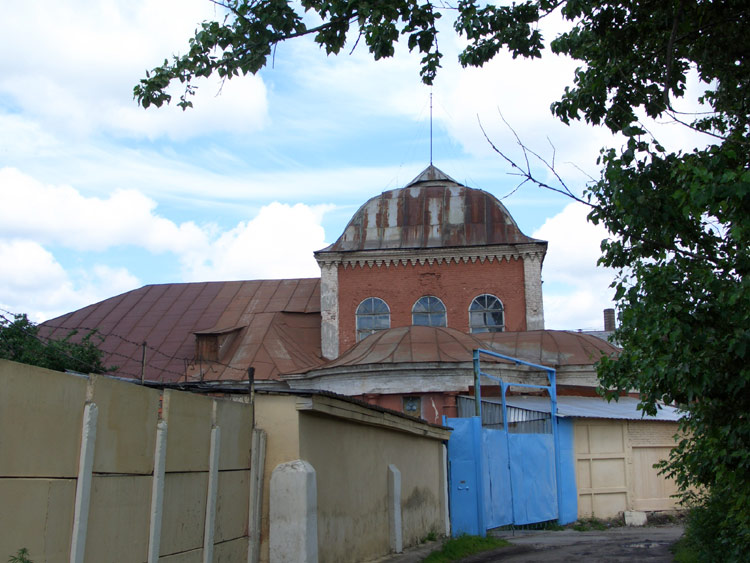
(431, 173)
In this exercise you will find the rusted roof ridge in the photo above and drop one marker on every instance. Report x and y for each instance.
(406, 333)
(283, 294)
(305, 291)
(540, 337)
(257, 331)
(259, 301)
(365, 345)
(443, 338)
(435, 341)
(164, 324)
(313, 302)
(229, 315)
(183, 316)
(208, 301)
(293, 344)
(279, 333)
(219, 331)
(127, 323)
(70, 319)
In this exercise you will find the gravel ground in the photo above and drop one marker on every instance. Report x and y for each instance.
(626, 545)
(615, 545)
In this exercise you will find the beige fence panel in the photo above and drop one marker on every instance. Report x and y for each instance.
(601, 470)
(651, 443)
(615, 466)
(41, 412)
(41, 418)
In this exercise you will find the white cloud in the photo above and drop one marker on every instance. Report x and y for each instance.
(36, 219)
(34, 282)
(278, 243)
(61, 215)
(28, 267)
(576, 290)
(79, 65)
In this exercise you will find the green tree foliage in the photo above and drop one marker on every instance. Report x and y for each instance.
(680, 220)
(20, 341)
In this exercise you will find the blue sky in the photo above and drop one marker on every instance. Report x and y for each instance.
(98, 196)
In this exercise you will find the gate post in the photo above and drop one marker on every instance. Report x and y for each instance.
(293, 514)
(476, 426)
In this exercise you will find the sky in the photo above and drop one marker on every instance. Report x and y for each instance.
(99, 196)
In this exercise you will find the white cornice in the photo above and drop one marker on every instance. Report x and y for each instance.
(413, 256)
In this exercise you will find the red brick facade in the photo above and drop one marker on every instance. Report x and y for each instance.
(432, 406)
(455, 284)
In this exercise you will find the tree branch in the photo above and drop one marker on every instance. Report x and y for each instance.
(526, 172)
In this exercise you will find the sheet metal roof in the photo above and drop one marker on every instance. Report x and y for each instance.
(549, 347)
(433, 211)
(277, 324)
(422, 344)
(589, 407)
(409, 344)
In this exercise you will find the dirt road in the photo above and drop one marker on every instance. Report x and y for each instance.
(626, 545)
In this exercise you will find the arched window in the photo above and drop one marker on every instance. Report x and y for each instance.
(373, 315)
(428, 311)
(486, 314)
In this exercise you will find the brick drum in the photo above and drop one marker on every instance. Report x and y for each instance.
(455, 284)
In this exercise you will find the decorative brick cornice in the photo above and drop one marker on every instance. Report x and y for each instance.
(421, 256)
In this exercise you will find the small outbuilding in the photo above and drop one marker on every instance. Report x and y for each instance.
(615, 449)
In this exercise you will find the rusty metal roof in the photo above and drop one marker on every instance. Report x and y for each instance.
(432, 211)
(277, 325)
(422, 344)
(549, 347)
(409, 344)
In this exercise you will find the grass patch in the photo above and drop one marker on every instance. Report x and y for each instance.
(588, 524)
(684, 551)
(463, 546)
(549, 525)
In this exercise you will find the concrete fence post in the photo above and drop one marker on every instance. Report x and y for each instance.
(446, 505)
(293, 514)
(83, 484)
(211, 495)
(257, 461)
(157, 492)
(394, 509)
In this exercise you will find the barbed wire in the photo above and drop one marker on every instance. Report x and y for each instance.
(45, 340)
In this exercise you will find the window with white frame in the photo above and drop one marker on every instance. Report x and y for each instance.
(372, 315)
(486, 314)
(428, 311)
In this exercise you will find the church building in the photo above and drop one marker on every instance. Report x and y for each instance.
(421, 276)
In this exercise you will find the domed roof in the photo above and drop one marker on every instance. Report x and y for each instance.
(549, 347)
(409, 344)
(432, 211)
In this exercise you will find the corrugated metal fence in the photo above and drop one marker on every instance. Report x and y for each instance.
(520, 421)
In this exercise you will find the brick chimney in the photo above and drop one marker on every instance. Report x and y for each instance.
(609, 320)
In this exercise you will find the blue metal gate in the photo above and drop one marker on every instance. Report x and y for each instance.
(498, 477)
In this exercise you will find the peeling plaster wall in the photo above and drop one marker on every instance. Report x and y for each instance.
(329, 311)
(532, 273)
(351, 462)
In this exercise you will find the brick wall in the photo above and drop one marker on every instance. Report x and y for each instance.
(456, 284)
